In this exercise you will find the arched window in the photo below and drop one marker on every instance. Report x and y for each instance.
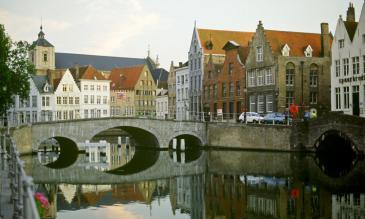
(290, 74)
(313, 75)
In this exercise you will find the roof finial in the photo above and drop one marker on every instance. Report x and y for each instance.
(148, 51)
(41, 23)
(194, 23)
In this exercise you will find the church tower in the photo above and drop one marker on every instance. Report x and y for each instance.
(42, 54)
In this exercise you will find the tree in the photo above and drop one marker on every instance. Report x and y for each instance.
(15, 70)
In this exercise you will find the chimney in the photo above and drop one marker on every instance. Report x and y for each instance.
(325, 40)
(351, 13)
(180, 64)
(77, 72)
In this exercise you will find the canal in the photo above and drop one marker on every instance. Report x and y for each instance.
(111, 177)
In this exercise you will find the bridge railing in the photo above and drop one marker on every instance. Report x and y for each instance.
(21, 185)
(178, 116)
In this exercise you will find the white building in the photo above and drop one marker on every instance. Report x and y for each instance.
(348, 65)
(67, 95)
(348, 206)
(162, 104)
(196, 71)
(25, 111)
(95, 92)
(182, 93)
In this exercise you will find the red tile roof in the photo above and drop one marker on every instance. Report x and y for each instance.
(296, 41)
(87, 73)
(125, 78)
(219, 38)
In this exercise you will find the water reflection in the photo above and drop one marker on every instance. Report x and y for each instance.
(231, 184)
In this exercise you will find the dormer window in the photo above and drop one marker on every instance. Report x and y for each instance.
(46, 88)
(285, 51)
(308, 51)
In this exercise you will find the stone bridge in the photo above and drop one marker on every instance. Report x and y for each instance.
(151, 132)
(311, 133)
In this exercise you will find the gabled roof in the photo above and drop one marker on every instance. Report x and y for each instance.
(102, 63)
(296, 41)
(125, 78)
(40, 81)
(161, 76)
(86, 73)
(218, 38)
(351, 27)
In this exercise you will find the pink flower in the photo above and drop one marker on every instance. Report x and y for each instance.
(42, 199)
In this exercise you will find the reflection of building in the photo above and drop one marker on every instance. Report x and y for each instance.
(348, 206)
(348, 54)
(105, 156)
(48, 151)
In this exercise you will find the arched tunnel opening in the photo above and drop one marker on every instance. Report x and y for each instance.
(129, 150)
(58, 152)
(336, 154)
(185, 148)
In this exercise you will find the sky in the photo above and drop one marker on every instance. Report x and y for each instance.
(127, 28)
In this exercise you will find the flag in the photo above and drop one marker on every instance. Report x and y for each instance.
(120, 95)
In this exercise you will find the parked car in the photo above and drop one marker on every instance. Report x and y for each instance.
(276, 118)
(251, 117)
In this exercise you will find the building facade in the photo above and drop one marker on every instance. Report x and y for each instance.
(182, 93)
(348, 65)
(288, 67)
(206, 43)
(95, 92)
(162, 100)
(171, 83)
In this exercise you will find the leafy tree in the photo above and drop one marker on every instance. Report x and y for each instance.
(15, 70)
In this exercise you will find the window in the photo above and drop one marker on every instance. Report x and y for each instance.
(313, 97)
(45, 58)
(58, 100)
(346, 97)
(269, 79)
(338, 97)
(64, 115)
(92, 99)
(231, 89)
(199, 63)
(345, 67)
(34, 101)
(98, 100)
(224, 90)
(313, 76)
(260, 104)
(86, 114)
(259, 54)
(105, 112)
(98, 87)
(230, 68)
(251, 78)
(252, 103)
(64, 87)
(215, 90)
(64, 100)
(356, 65)
(341, 43)
(45, 101)
(105, 99)
(260, 77)
(338, 68)
(290, 74)
(105, 88)
(70, 100)
(70, 87)
(59, 115)
(238, 88)
(363, 64)
(269, 103)
(289, 98)
(77, 100)
(91, 87)
(86, 87)
(86, 99)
